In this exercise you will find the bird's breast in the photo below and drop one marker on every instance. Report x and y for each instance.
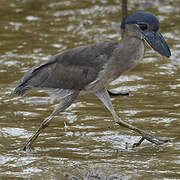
(121, 60)
(130, 56)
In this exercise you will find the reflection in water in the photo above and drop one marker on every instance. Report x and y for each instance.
(83, 141)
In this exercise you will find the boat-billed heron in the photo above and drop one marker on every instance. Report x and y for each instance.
(89, 69)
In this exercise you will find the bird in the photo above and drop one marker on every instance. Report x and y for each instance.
(89, 69)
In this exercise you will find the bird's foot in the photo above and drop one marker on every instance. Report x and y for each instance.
(151, 138)
(120, 93)
(27, 147)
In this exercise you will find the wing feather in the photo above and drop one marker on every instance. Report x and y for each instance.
(72, 69)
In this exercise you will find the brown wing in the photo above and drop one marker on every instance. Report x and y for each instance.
(72, 69)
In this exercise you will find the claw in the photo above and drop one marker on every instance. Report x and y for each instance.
(151, 138)
(138, 143)
(27, 148)
(122, 93)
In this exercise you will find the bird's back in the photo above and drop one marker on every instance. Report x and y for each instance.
(73, 69)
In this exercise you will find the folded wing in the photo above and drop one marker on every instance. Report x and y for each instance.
(72, 69)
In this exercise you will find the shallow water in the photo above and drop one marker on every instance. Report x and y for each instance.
(83, 142)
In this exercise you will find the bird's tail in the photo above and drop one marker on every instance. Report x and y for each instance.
(23, 84)
(21, 89)
(27, 82)
(34, 78)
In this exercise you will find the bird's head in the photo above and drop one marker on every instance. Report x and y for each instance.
(146, 26)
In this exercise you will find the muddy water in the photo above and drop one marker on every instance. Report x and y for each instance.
(83, 142)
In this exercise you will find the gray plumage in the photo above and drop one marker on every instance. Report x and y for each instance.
(89, 69)
(73, 69)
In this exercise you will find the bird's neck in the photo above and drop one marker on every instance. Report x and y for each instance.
(131, 52)
(130, 41)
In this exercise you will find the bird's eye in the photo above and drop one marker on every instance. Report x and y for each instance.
(143, 27)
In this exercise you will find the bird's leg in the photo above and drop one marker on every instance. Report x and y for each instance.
(64, 103)
(120, 93)
(105, 98)
(44, 124)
